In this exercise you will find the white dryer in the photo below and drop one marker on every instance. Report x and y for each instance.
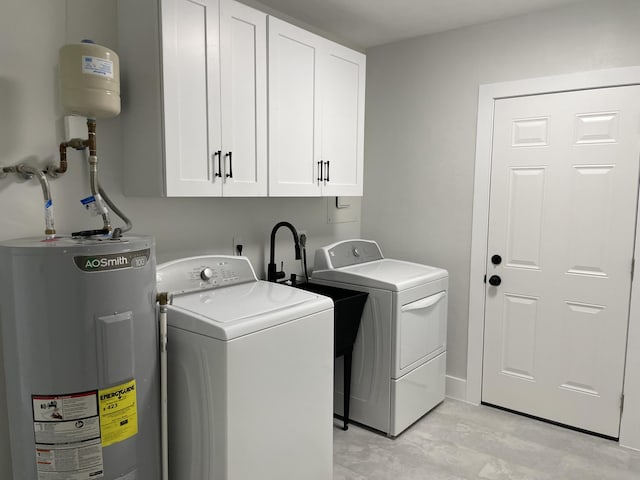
(399, 358)
(250, 374)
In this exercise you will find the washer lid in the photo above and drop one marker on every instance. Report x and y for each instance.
(226, 313)
(386, 274)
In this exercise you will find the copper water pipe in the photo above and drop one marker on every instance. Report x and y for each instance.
(75, 143)
(91, 142)
(63, 159)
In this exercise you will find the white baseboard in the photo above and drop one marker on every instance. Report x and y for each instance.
(630, 447)
(456, 388)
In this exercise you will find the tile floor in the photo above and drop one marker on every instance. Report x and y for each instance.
(457, 441)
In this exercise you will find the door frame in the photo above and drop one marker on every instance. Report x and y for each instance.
(487, 95)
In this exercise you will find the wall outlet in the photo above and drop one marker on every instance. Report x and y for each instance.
(238, 244)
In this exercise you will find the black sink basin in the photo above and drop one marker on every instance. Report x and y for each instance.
(347, 310)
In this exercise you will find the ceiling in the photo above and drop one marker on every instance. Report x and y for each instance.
(367, 23)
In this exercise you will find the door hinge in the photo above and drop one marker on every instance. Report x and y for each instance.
(485, 278)
(633, 267)
(621, 403)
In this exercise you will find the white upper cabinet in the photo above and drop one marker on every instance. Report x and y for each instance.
(243, 54)
(194, 116)
(294, 116)
(194, 123)
(191, 99)
(343, 84)
(316, 114)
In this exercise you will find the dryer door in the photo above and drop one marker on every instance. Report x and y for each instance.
(421, 332)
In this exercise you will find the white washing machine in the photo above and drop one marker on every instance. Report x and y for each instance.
(250, 374)
(399, 358)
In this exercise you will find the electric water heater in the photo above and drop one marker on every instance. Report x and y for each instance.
(80, 347)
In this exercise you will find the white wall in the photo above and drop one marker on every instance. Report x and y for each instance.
(31, 127)
(422, 97)
(257, 4)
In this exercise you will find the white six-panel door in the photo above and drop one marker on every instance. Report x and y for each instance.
(562, 217)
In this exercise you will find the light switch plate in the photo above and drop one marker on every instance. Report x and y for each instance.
(343, 202)
(349, 212)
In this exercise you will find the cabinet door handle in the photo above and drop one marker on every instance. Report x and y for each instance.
(230, 174)
(217, 154)
(327, 177)
(320, 172)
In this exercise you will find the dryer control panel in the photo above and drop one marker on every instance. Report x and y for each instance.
(203, 273)
(348, 252)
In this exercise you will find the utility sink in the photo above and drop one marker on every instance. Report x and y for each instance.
(347, 311)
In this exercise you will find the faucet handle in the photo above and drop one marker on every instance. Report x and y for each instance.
(273, 275)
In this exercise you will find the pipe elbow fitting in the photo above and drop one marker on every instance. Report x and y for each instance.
(77, 143)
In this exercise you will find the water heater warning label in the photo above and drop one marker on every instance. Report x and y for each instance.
(118, 413)
(70, 462)
(67, 436)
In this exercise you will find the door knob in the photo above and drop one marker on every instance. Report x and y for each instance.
(495, 280)
(496, 259)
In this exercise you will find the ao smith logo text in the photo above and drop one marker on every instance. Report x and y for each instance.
(113, 261)
(93, 263)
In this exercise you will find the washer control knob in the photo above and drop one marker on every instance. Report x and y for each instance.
(356, 252)
(206, 274)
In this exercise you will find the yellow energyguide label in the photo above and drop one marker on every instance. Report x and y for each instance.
(118, 413)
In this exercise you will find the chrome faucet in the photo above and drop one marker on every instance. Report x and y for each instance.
(272, 274)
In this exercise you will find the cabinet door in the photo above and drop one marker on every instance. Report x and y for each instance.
(243, 51)
(191, 85)
(343, 82)
(294, 117)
